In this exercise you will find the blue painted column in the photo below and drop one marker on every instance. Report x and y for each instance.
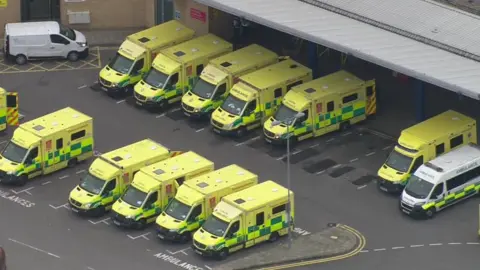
(313, 59)
(419, 100)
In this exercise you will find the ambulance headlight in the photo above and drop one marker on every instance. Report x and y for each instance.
(10, 172)
(88, 205)
(228, 126)
(173, 230)
(130, 217)
(210, 247)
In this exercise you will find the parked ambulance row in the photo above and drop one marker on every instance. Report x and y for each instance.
(222, 210)
(239, 90)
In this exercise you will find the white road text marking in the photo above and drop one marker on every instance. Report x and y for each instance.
(22, 191)
(175, 261)
(16, 199)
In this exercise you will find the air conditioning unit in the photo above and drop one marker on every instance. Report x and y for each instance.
(78, 17)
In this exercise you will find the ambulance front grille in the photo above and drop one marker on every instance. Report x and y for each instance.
(140, 97)
(268, 133)
(75, 203)
(105, 82)
(199, 245)
(187, 108)
(217, 124)
(406, 206)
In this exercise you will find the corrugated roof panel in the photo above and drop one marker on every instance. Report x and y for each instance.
(361, 40)
(425, 18)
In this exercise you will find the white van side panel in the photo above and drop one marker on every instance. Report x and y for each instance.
(30, 46)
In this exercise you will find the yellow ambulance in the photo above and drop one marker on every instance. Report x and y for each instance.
(111, 173)
(8, 109)
(256, 97)
(154, 186)
(195, 200)
(220, 75)
(176, 69)
(321, 106)
(244, 219)
(32, 152)
(423, 142)
(135, 55)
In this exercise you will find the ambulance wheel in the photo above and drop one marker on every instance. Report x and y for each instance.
(100, 211)
(241, 132)
(142, 224)
(73, 56)
(344, 126)
(21, 59)
(185, 237)
(223, 254)
(430, 213)
(72, 163)
(22, 180)
(273, 237)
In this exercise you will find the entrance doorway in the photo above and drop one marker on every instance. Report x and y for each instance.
(40, 10)
(163, 11)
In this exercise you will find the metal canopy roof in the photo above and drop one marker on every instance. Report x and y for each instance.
(422, 20)
(384, 48)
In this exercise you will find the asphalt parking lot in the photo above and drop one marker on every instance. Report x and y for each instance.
(332, 176)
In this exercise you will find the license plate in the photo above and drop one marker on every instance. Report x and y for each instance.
(139, 103)
(384, 189)
(216, 130)
(161, 236)
(268, 140)
(198, 252)
(186, 113)
(104, 89)
(116, 223)
(75, 210)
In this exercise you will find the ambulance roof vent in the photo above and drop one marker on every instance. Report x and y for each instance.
(218, 180)
(249, 199)
(54, 124)
(196, 160)
(153, 147)
(117, 159)
(258, 53)
(127, 156)
(455, 118)
(75, 116)
(158, 171)
(202, 185)
(174, 168)
(179, 28)
(434, 167)
(215, 42)
(234, 62)
(347, 79)
(194, 50)
(240, 173)
(144, 39)
(38, 127)
(239, 201)
(225, 64)
(274, 189)
(325, 87)
(293, 66)
(179, 53)
(309, 90)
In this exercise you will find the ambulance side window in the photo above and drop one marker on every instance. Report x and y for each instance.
(233, 229)
(199, 69)
(59, 143)
(180, 180)
(350, 98)
(251, 107)
(137, 68)
(77, 135)
(32, 155)
(260, 219)
(437, 191)
(11, 101)
(290, 86)
(418, 162)
(195, 212)
(330, 106)
(279, 209)
(439, 149)
(277, 92)
(456, 141)
(151, 200)
(220, 91)
(110, 186)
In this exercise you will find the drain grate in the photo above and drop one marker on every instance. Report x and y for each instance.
(294, 159)
(319, 166)
(341, 171)
(363, 180)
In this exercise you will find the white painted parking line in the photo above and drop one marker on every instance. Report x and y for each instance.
(46, 183)
(248, 141)
(282, 157)
(436, 244)
(120, 101)
(79, 172)
(454, 243)
(361, 187)
(144, 236)
(346, 134)
(473, 243)
(313, 146)
(90, 268)
(380, 249)
(66, 206)
(22, 191)
(63, 176)
(175, 110)
(320, 172)
(330, 140)
(397, 247)
(364, 251)
(81, 87)
(370, 154)
(179, 251)
(160, 116)
(296, 152)
(104, 221)
(387, 147)
(95, 82)
(414, 246)
(208, 267)
(353, 160)
(2, 142)
(199, 130)
(34, 248)
(336, 166)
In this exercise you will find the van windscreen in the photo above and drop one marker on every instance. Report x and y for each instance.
(67, 32)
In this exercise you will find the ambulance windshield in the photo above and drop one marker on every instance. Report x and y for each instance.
(92, 184)
(215, 226)
(14, 152)
(399, 161)
(156, 78)
(418, 188)
(177, 209)
(233, 105)
(134, 197)
(203, 89)
(285, 115)
(121, 64)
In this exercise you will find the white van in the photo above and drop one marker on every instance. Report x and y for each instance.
(40, 40)
(442, 182)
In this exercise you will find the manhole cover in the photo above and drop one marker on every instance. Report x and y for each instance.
(294, 159)
(319, 166)
(363, 180)
(341, 171)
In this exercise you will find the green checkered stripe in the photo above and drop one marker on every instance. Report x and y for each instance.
(74, 150)
(342, 115)
(179, 91)
(453, 197)
(195, 225)
(275, 103)
(3, 120)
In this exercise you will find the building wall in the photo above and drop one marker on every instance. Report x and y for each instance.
(11, 13)
(193, 15)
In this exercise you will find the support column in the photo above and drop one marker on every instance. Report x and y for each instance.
(419, 100)
(313, 59)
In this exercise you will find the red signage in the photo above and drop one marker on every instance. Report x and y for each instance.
(169, 189)
(212, 202)
(49, 145)
(189, 71)
(319, 107)
(198, 15)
